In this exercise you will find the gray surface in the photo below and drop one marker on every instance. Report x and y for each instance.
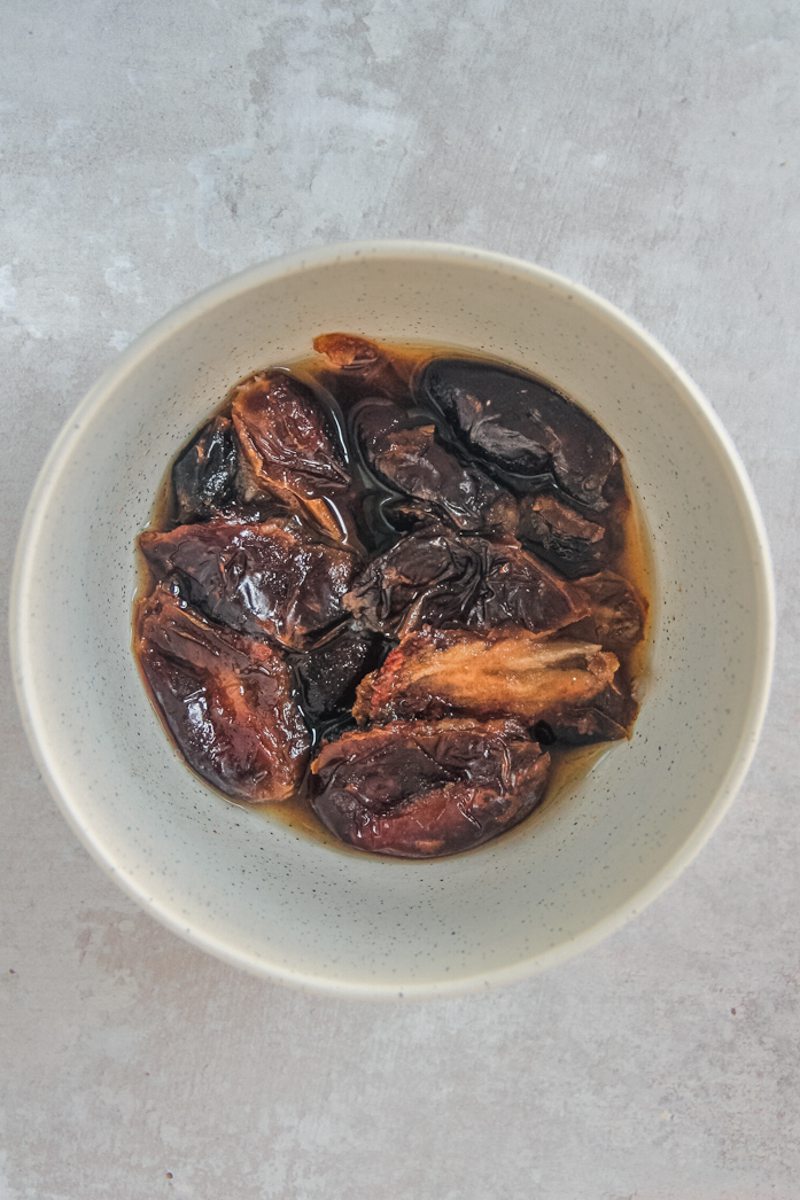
(649, 152)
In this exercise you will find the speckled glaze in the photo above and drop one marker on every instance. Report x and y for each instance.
(247, 887)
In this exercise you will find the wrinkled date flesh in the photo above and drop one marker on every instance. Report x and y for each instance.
(393, 587)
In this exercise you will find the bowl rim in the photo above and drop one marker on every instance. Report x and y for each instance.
(296, 263)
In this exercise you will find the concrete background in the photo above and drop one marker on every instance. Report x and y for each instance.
(648, 150)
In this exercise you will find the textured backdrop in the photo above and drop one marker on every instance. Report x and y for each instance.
(649, 150)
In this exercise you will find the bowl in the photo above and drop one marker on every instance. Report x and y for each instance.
(243, 884)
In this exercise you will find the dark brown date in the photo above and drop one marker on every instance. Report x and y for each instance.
(438, 578)
(521, 425)
(271, 578)
(226, 699)
(290, 447)
(419, 789)
(504, 673)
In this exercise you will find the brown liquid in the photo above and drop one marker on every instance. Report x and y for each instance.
(633, 561)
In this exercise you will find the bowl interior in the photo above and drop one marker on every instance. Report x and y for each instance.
(246, 885)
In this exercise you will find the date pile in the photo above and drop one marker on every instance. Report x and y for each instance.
(391, 585)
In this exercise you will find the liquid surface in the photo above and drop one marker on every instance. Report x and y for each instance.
(366, 510)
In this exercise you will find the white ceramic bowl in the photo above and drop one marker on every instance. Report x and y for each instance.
(246, 887)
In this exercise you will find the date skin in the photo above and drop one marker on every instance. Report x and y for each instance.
(358, 367)
(571, 541)
(226, 699)
(567, 684)
(290, 450)
(618, 612)
(414, 461)
(420, 789)
(521, 425)
(438, 578)
(269, 579)
(204, 474)
(329, 672)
